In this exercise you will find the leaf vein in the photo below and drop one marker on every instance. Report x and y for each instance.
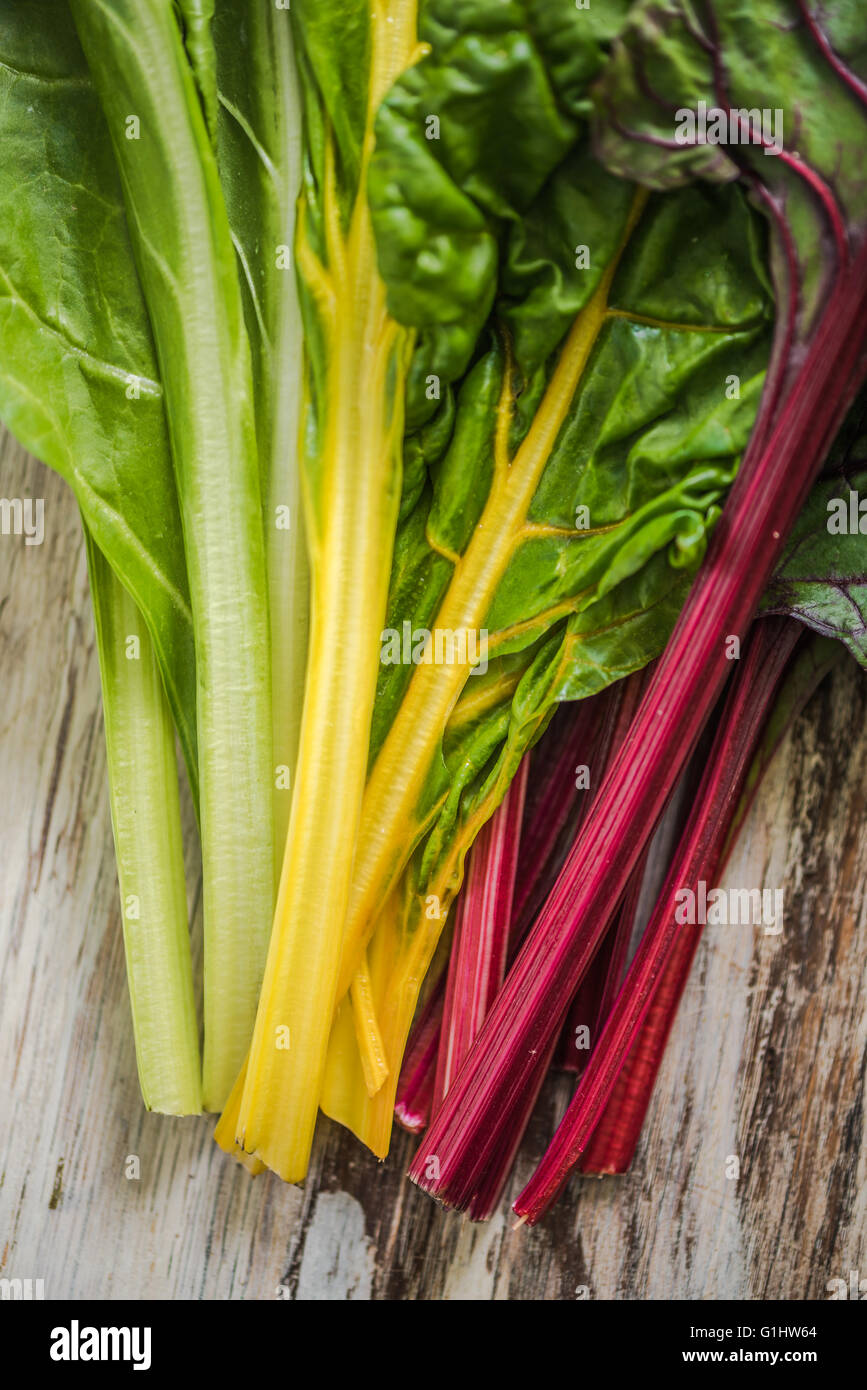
(97, 365)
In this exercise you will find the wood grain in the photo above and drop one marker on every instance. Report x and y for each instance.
(767, 1061)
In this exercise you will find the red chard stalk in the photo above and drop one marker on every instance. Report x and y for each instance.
(698, 859)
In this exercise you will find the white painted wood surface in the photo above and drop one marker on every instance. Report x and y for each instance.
(767, 1061)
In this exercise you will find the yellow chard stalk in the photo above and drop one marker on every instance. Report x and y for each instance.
(353, 435)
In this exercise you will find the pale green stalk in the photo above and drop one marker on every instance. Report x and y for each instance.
(145, 817)
(286, 554)
(187, 263)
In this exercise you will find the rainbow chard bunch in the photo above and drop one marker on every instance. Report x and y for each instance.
(548, 364)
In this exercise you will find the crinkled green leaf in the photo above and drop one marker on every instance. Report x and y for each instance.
(674, 54)
(822, 578)
(649, 445)
(466, 141)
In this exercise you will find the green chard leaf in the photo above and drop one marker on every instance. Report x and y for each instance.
(679, 100)
(616, 504)
(800, 58)
(465, 143)
(79, 381)
(822, 577)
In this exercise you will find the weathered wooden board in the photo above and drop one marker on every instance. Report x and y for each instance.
(767, 1062)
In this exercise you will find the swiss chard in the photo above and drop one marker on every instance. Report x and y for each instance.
(750, 696)
(547, 431)
(414, 1099)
